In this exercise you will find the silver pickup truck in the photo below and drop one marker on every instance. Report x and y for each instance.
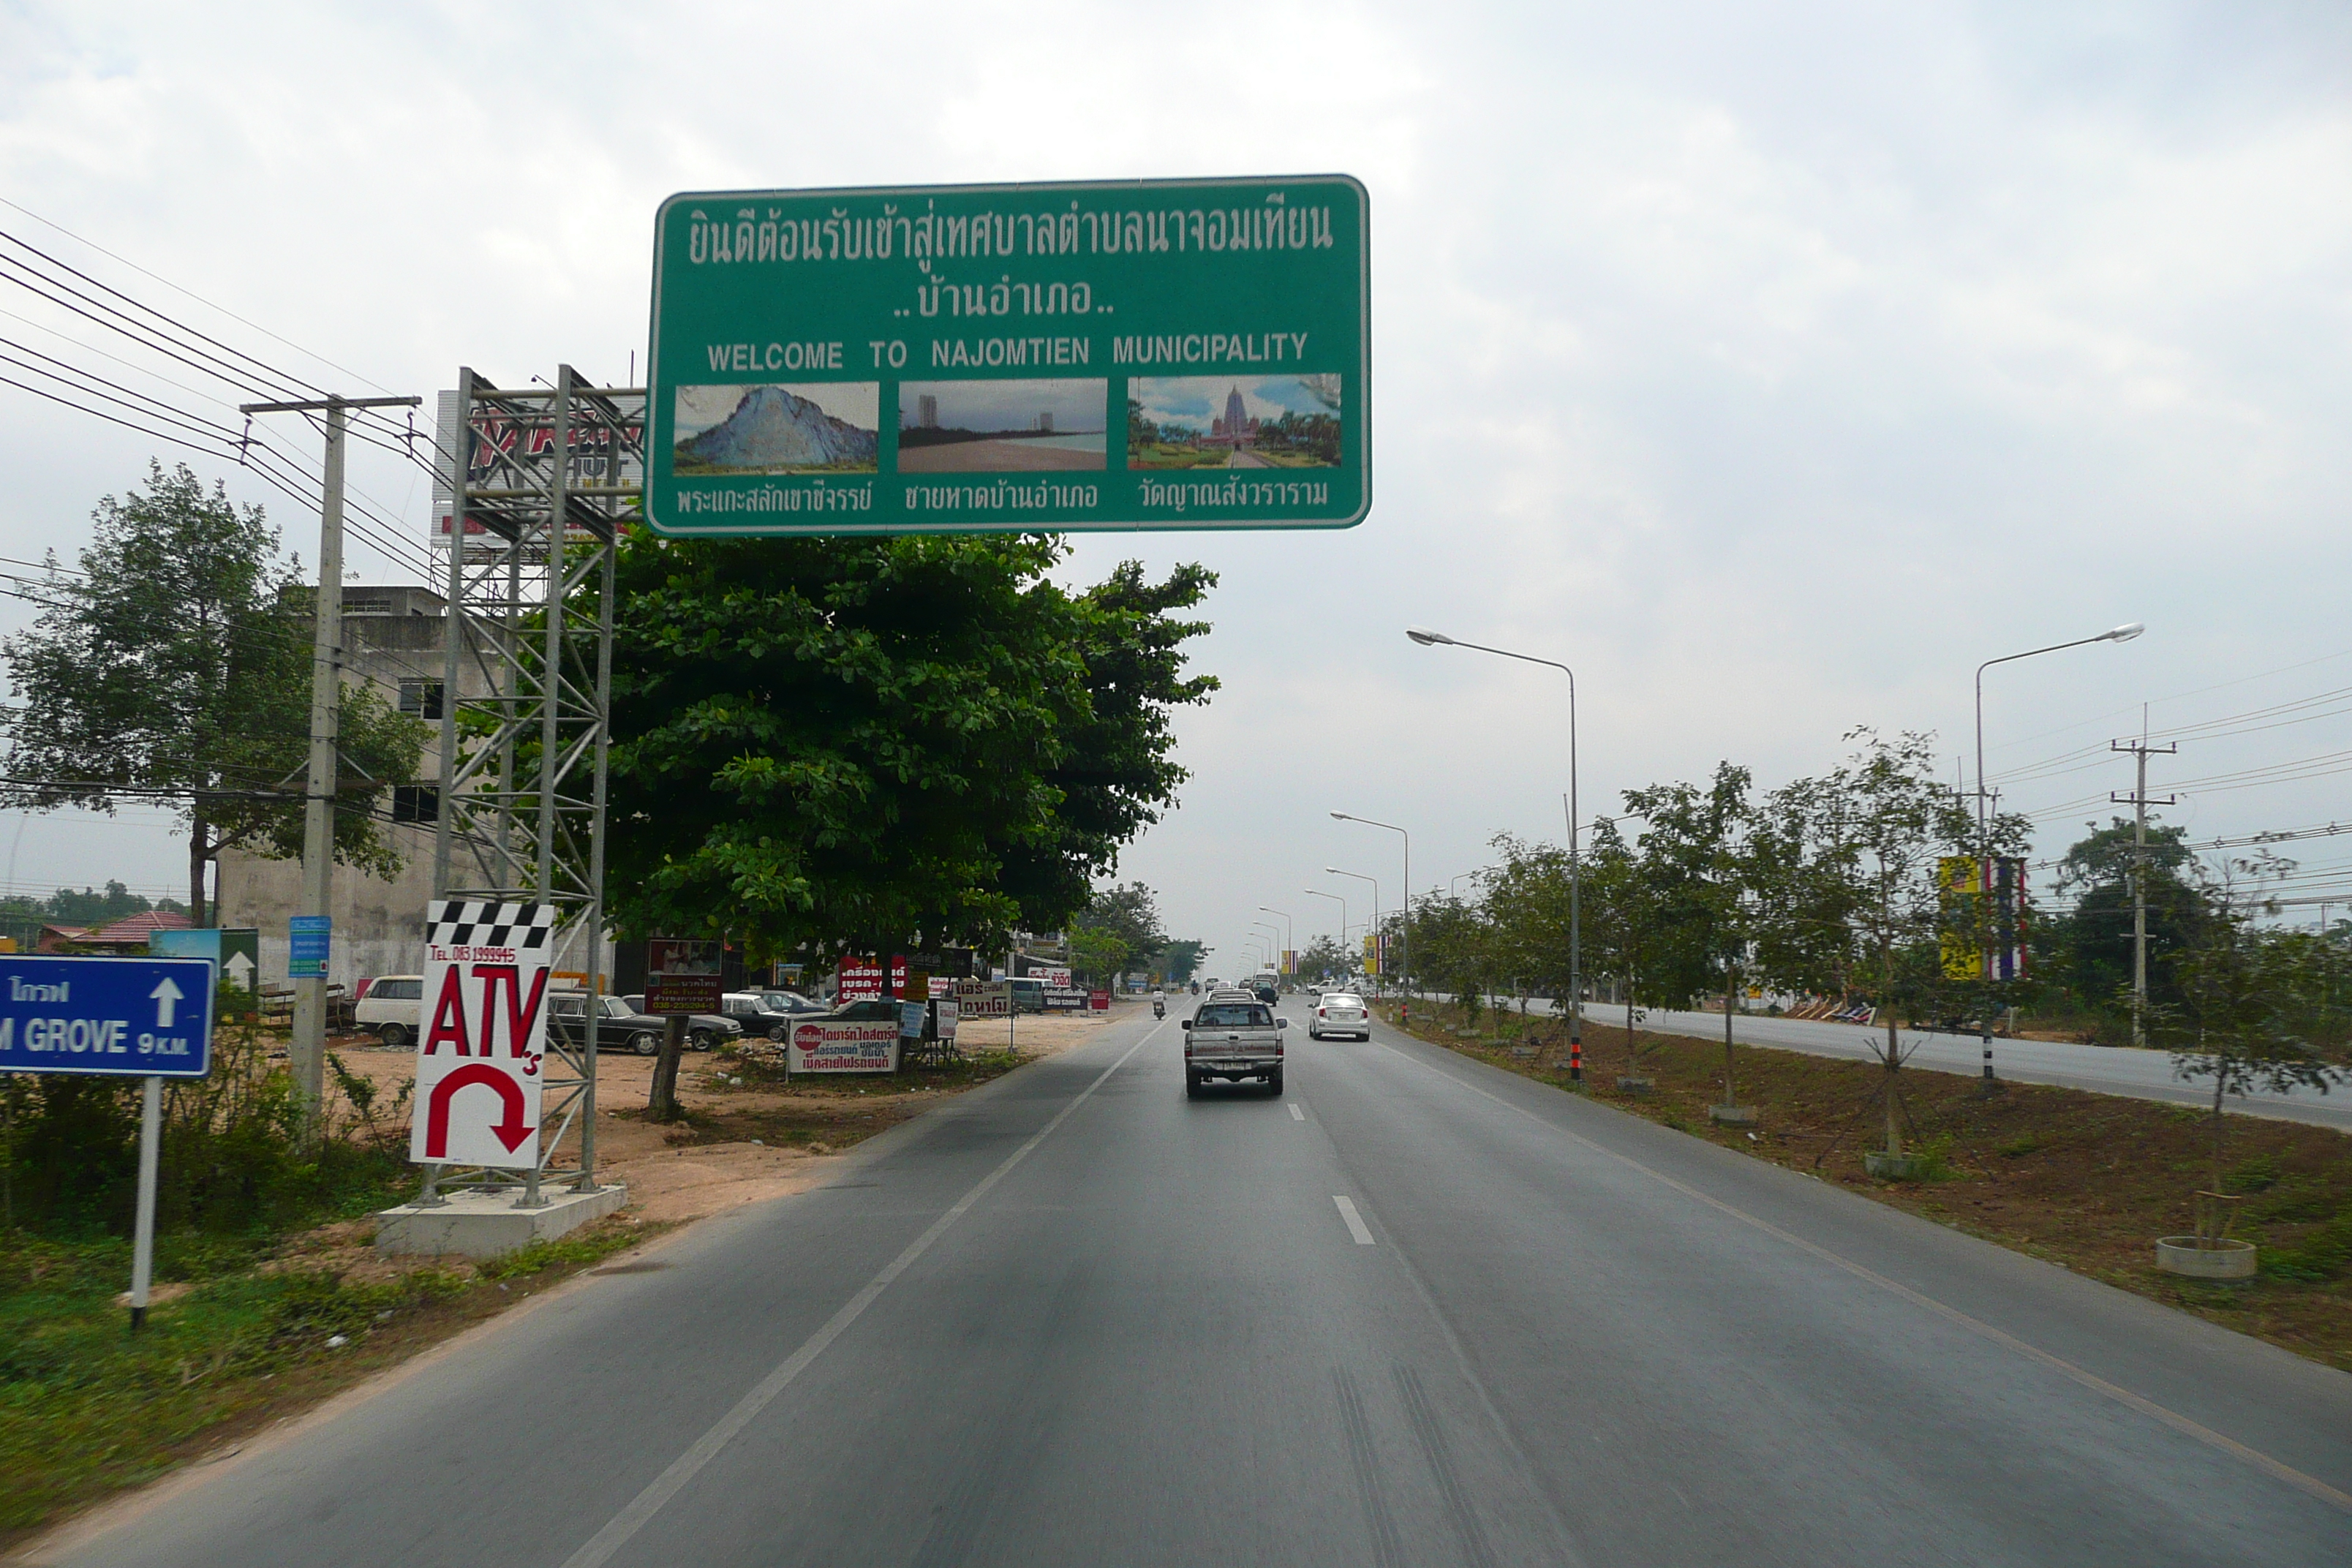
(1233, 1038)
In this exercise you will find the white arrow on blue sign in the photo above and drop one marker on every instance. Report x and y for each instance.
(136, 1017)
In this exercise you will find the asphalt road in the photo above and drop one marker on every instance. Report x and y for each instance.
(1416, 1311)
(2141, 1075)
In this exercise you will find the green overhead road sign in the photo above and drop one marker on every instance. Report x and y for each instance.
(944, 358)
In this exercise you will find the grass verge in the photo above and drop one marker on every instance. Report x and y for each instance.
(2088, 1181)
(238, 1337)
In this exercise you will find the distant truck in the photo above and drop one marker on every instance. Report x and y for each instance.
(1233, 1038)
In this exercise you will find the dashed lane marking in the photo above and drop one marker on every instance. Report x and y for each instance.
(1356, 1226)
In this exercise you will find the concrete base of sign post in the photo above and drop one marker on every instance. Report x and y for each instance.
(1732, 1115)
(489, 1225)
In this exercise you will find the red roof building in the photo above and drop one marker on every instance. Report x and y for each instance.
(129, 933)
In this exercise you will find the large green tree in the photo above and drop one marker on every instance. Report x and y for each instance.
(838, 744)
(2089, 950)
(176, 664)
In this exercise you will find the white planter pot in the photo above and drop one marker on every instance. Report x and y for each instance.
(2182, 1255)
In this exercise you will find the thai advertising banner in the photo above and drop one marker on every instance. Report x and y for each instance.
(984, 998)
(836, 1046)
(860, 981)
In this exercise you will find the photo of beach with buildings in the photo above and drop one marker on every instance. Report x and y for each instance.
(1001, 427)
(1234, 422)
(822, 428)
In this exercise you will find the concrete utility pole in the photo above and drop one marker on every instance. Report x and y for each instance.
(306, 1052)
(2140, 802)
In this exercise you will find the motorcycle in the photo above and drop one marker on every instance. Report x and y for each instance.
(1158, 1008)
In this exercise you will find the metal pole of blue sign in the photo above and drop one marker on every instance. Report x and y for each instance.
(142, 1243)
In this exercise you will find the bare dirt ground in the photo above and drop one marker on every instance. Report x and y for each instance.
(748, 1135)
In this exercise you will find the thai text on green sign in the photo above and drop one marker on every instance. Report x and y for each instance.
(1138, 355)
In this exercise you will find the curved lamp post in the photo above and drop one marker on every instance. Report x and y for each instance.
(1404, 961)
(1371, 931)
(1428, 638)
(1984, 828)
(1314, 893)
(1289, 933)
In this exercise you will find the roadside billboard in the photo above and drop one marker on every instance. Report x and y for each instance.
(683, 976)
(971, 359)
(834, 1047)
(984, 998)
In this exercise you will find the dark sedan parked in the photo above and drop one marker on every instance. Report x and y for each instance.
(703, 1030)
(618, 1026)
(769, 1013)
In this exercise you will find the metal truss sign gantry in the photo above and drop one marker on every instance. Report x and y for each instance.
(535, 486)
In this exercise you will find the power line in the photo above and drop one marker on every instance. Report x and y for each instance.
(199, 299)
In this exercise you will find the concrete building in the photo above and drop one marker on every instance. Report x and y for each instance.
(927, 410)
(393, 638)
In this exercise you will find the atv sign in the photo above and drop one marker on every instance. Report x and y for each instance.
(484, 1033)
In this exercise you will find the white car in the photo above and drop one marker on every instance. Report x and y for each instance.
(1340, 1013)
(394, 1007)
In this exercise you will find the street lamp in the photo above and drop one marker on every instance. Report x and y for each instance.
(2124, 633)
(1316, 893)
(1372, 931)
(1272, 942)
(1428, 638)
(1404, 961)
(1289, 933)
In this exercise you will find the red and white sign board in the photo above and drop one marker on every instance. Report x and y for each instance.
(861, 981)
(1054, 979)
(483, 1034)
(845, 1047)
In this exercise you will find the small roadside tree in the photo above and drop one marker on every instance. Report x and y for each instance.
(2249, 998)
(1695, 846)
(1863, 847)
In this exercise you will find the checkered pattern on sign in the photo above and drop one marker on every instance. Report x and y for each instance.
(488, 922)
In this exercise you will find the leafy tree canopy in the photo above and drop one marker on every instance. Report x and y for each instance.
(1130, 914)
(177, 663)
(852, 743)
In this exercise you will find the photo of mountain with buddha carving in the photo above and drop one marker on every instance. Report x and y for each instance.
(826, 428)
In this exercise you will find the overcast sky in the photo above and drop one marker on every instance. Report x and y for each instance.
(1772, 364)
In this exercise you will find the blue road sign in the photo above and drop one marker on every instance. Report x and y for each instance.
(132, 1018)
(306, 946)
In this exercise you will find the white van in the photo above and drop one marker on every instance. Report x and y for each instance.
(394, 1008)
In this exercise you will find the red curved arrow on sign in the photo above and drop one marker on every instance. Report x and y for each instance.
(511, 1131)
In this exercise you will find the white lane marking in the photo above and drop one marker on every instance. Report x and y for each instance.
(1297, 1114)
(1356, 1226)
(648, 1502)
(2196, 1431)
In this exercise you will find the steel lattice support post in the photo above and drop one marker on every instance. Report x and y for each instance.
(538, 483)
